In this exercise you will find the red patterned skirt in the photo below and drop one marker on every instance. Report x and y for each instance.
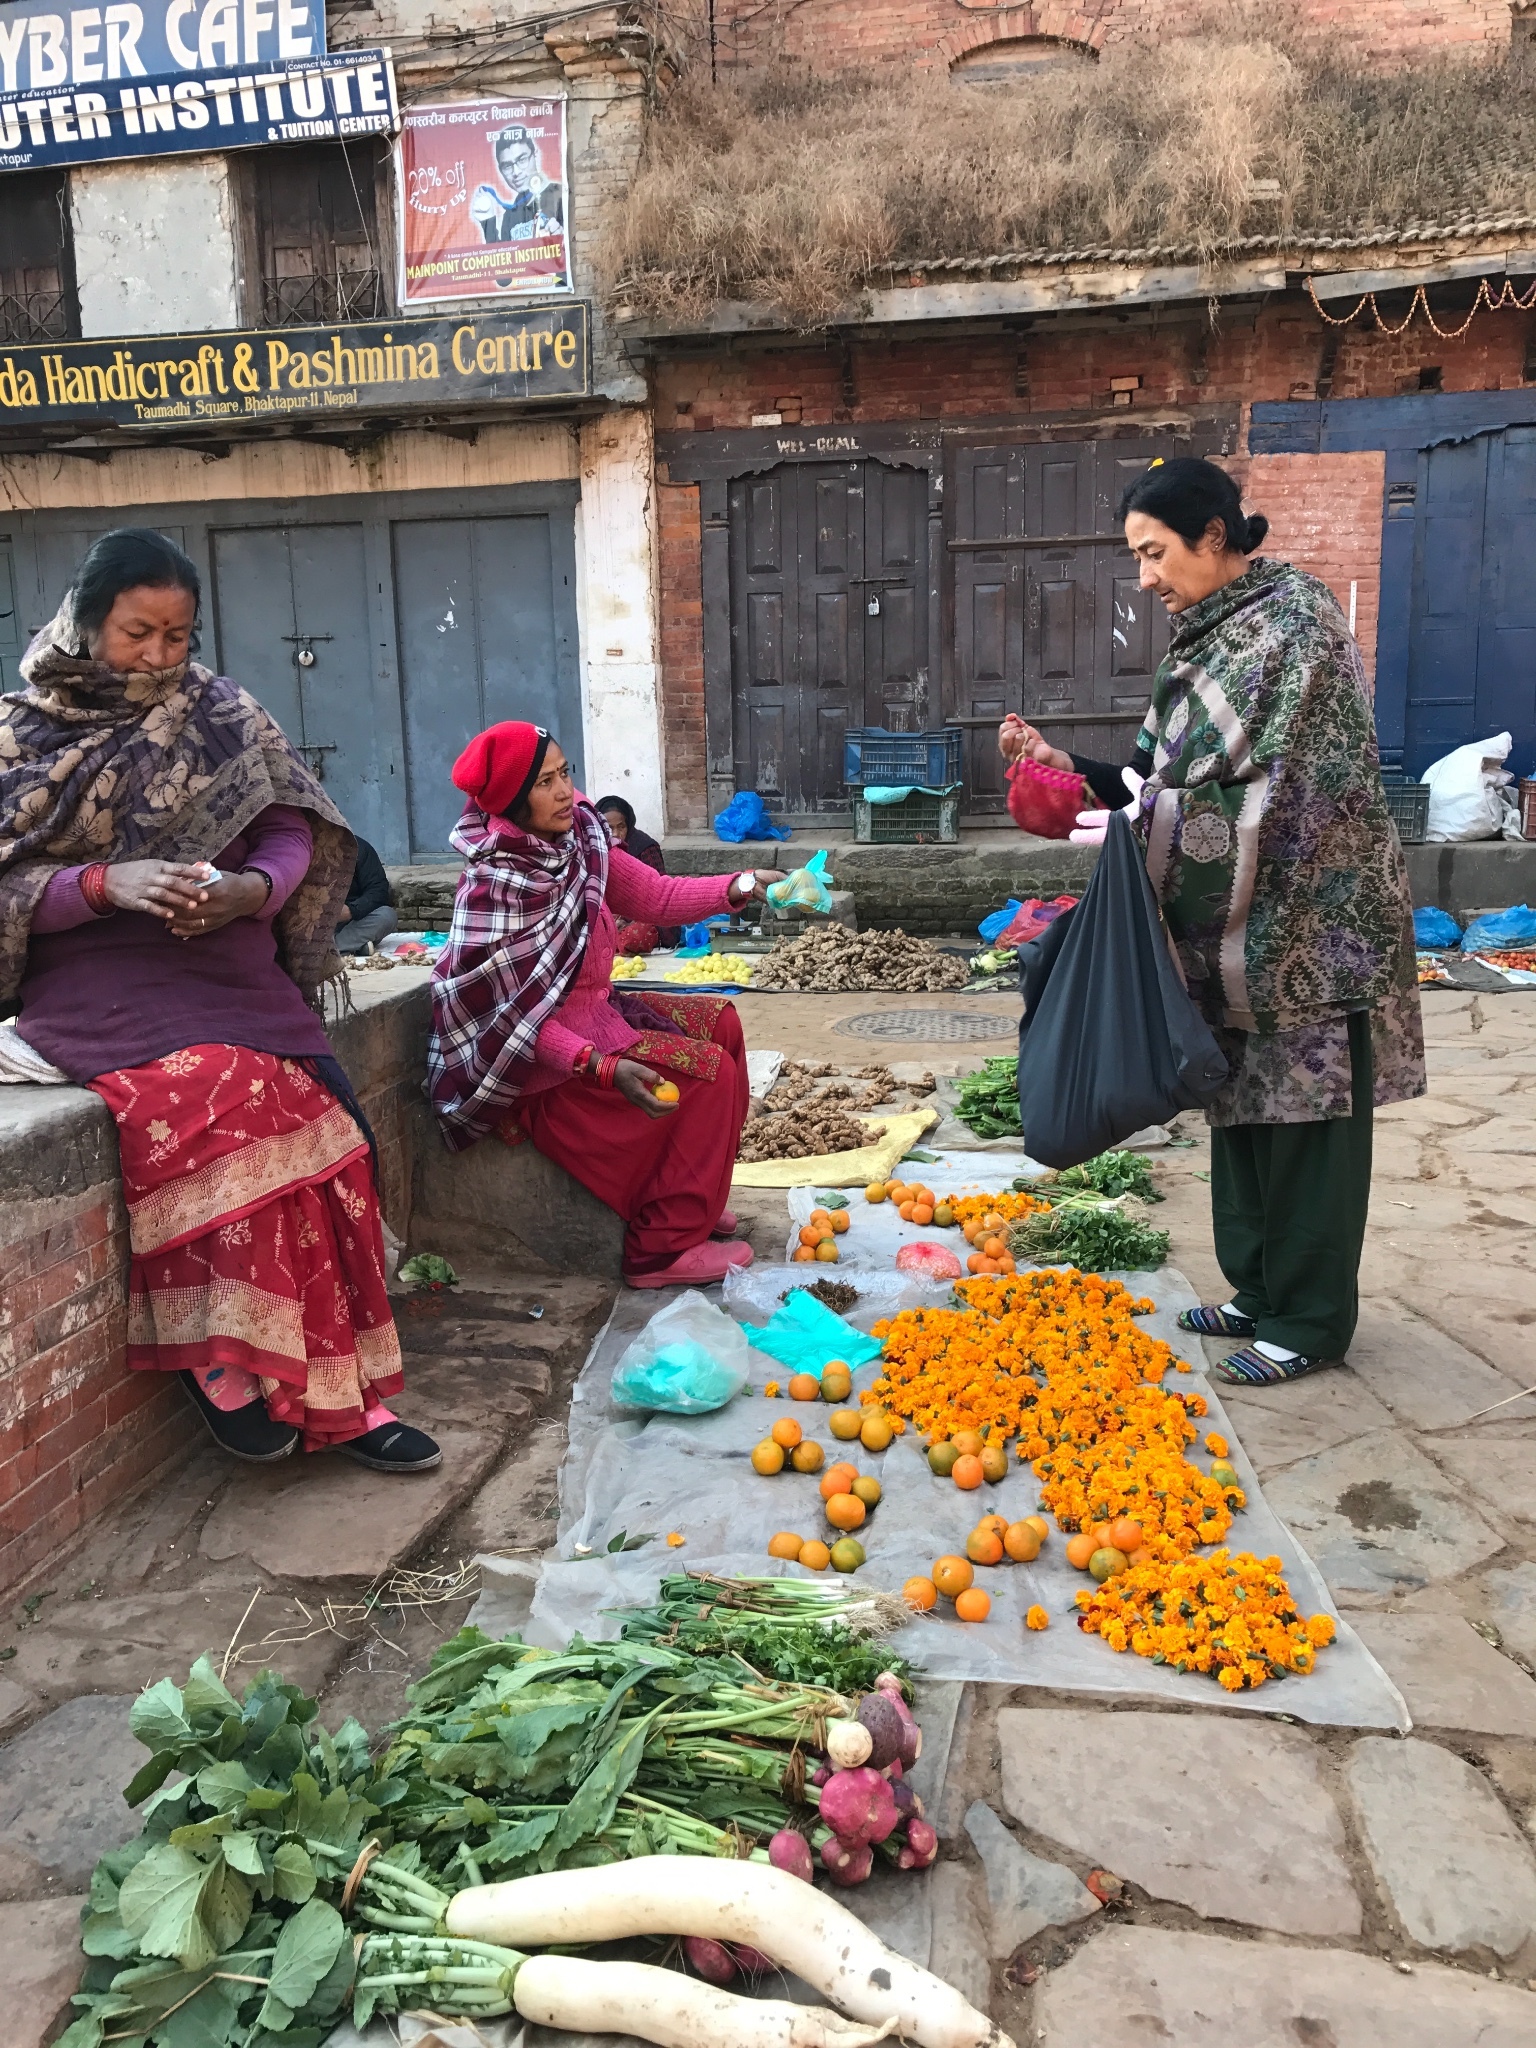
(256, 1236)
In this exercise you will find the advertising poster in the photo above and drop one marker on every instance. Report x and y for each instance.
(483, 200)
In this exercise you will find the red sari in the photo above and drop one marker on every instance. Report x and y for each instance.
(257, 1242)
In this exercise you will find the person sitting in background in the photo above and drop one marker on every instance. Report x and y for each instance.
(618, 814)
(370, 912)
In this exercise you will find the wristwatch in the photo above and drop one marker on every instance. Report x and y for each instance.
(743, 886)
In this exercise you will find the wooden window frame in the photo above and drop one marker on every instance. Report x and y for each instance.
(29, 315)
(260, 291)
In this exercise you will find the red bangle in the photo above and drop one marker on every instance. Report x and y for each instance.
(93, 887)
(582, 1060)
(607, 1067)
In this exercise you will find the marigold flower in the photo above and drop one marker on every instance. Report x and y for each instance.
(1216, 1444)
(771, 1391)
(1037, 1618)
(1321, 1629)
(676, 1540)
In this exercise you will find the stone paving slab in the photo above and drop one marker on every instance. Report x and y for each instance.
(959, 1954)
(1500, 1470)
(1512, 1605)
(1283, 1424)
(1450, 1676)
(1454, 1867)
(325, 1518)
(1376, 1515)
(15, 1704)
(1230, 1818)
(1025, 1893)
(61, 1796)
(1426, 1378)
(1148, 1987)
(40, 1965)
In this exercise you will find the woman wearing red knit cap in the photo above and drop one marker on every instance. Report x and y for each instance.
(530, 1038)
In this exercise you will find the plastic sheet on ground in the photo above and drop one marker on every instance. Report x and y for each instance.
(857, 1169)
(693, 1476)
(876, 1232)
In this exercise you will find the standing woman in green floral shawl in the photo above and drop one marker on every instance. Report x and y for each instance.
(1257, 793)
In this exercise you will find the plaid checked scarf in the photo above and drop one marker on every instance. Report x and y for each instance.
(521, 919)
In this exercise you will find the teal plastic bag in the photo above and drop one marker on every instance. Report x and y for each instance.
(806, 1336)
(690, 1358)
(805, 889)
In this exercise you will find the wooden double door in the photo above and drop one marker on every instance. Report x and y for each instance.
(830, 611)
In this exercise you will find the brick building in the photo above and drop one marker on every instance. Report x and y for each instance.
(904, 516)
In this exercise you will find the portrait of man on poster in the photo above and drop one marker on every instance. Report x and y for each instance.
(533, 208)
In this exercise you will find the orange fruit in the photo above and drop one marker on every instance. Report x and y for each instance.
(920, 1595)
(998, 1524)
(1100, 1535)
(1039, 1522)
(941, 1459)
(970, 1231)
(804, 1256)
(785, 1545)
(875, 1433)
(807, 1457)
(836, 1381)
(837, 1479)
(846, 1511)
(809, 1235)
(821, 1216)
(840, 1220)
(973, 1605)
(847, 1554)
(826, 1252)
(994, 1463)
(1107, 1563)
(804, 1386)
(866, 1488)
(786, 1432)
(984, 1546)
(1079, 1549)
(944, 1216)
(768, 1457)
(993, 1247)
(667, 1091)
(876, 1191)
(968, 1440)
(977, 1264)
(968, 1473)
(922, 1214)
(1125, 1534)
(1021, 1540)
(814, 1555)
(952, 1575)
(845, 1424)
(897, 1190)
(1140, 1557)
(908, 1212)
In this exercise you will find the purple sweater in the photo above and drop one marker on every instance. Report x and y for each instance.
(101, 993)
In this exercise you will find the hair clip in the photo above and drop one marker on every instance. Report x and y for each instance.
(1156, 462)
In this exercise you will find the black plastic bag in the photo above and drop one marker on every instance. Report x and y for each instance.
(1110, 1041)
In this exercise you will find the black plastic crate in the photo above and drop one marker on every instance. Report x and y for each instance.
(899, 760)
(918, 820)
(1408, 803)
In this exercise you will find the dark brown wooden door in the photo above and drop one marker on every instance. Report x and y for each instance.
(829, 621)
(1049, 621)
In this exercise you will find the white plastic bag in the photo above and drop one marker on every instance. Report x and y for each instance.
(1464, 799)
(691, 1357)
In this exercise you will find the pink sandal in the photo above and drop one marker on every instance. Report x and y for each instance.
(728, 1224)
(700, 1266)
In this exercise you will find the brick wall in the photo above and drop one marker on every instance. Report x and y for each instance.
(832, 33)
(1325, 511)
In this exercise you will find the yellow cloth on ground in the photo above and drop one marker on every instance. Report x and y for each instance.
(871, 1162)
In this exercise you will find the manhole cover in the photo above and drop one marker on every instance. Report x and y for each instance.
(950, 1027)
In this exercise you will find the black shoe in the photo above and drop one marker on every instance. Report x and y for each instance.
(248, 1433)
(393, 1447)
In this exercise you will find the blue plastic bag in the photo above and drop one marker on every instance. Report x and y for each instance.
(696, 936)
(1500, 928)
(746, 817)
(806, 1336)
(805, 889)
(690, 1358)
(994, 926)
(1436, 929)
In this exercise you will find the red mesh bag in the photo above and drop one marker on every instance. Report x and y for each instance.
(637, 938)
(1046, 801)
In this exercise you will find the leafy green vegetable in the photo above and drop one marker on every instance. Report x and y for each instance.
(1094, 1235)
(1111, 1174)
(426, 1269)
(989, 1100)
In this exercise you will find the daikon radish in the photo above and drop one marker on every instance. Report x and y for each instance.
(674, 2011)
(800, 1928)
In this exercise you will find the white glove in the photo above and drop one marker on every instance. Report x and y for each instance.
(1093, 825)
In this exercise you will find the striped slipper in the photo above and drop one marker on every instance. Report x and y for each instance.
(1216, 1322)
(1250, 1368)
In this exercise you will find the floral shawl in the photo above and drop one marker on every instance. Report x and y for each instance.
(165, 765)
(523, 914)
(1268, 838)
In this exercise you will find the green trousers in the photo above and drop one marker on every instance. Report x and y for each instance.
(1288, 1206)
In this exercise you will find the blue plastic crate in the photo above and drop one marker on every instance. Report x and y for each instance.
(899, 760)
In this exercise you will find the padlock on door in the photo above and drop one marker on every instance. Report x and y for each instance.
(873, 607)
(305, 657)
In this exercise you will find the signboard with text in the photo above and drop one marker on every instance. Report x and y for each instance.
(169, 381)
(47, 46)
(484, 205)
(312, 99)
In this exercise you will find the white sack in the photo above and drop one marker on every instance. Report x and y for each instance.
(1464, 800)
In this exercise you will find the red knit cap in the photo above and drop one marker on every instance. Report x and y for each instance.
(498, 767)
